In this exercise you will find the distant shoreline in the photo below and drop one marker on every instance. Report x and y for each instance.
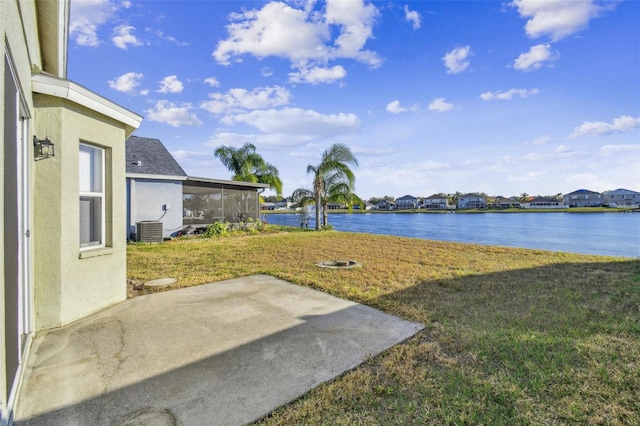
(608, 210)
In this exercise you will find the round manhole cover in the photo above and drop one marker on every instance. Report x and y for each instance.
(339, 264)
(161, 282)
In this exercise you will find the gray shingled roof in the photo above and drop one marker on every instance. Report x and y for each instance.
(152, 157)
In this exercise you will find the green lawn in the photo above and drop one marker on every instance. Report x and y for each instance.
(512, 336)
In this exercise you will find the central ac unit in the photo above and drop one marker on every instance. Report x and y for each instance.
(149, 231)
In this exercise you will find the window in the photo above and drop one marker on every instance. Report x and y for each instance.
(92, 200)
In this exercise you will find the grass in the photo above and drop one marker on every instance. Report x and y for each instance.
(512, 336)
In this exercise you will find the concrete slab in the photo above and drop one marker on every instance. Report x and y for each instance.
(225, 353)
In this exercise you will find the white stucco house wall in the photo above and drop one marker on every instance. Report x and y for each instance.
(154, 186)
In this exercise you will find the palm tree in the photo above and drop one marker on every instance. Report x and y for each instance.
(333, 181)
(249, 166)
(336, 190)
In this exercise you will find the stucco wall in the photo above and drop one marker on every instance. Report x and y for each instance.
(148, 198)
(71, 283)
(19, 39)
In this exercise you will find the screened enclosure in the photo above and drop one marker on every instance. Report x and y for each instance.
(206, 201)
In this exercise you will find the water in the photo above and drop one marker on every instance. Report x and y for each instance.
(611, 234)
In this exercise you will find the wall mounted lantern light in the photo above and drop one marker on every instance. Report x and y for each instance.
(43, 148)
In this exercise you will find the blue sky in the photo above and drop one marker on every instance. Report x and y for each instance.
(502, 97)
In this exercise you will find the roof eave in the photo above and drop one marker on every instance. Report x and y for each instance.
(66, 89)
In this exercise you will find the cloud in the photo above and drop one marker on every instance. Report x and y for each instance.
(123, 38)
(212, 81)
(439, 104)
(318, 75)
(541, 140)
(240, 100)
(508, 95)
(86, 17)
(557, 18)
(561, 149)
(309, 39)
(305, 124)
(170, 84)
(614, 149)
(170, 38)
(172, 114)
(535, 58)
(412, 16)
(622, 124)
(373, 152)
(126, 83)
(394, 107)
(457, 60)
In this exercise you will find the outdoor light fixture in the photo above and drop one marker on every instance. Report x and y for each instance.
(43, 148)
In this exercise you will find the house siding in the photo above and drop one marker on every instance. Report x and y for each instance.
(20, 46)
(75, 283)
(149, 202)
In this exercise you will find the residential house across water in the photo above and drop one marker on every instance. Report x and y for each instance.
(472, 201)
(621, 198)
(583, 198)
(436, 201)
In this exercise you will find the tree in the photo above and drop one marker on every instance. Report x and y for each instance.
(333, 181)
(249, 166)
(524, 197)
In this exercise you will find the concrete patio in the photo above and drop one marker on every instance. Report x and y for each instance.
(225, 353)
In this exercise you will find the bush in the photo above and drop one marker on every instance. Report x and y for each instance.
(217, 229)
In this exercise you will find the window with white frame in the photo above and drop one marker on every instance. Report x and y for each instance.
(92, 197)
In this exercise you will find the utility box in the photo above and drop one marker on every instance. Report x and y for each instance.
(149, 231)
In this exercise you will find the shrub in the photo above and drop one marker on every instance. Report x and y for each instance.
(216, 229)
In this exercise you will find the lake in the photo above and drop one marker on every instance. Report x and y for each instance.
(610, 233)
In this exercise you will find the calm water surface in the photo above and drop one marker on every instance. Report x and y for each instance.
(612, 234)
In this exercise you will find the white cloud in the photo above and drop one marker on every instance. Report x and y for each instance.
(542, 140)
(171, 84)
(412, 16)
(172, 114)
(431, 165)
(372, 152)
(238, 100)
(457, 60)
(508, 95)
(561, 149)
(126, 83)
(305, 124)
(212, 81)
(557, 18)
(394, 107)
(615, 149)
(535, 58)
(439, 104)
(170, 38)
(622, 124)
(318, 75)
(86, 17)
(303, 36)
(123, 37)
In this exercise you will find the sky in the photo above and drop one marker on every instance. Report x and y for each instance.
(502, 97)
